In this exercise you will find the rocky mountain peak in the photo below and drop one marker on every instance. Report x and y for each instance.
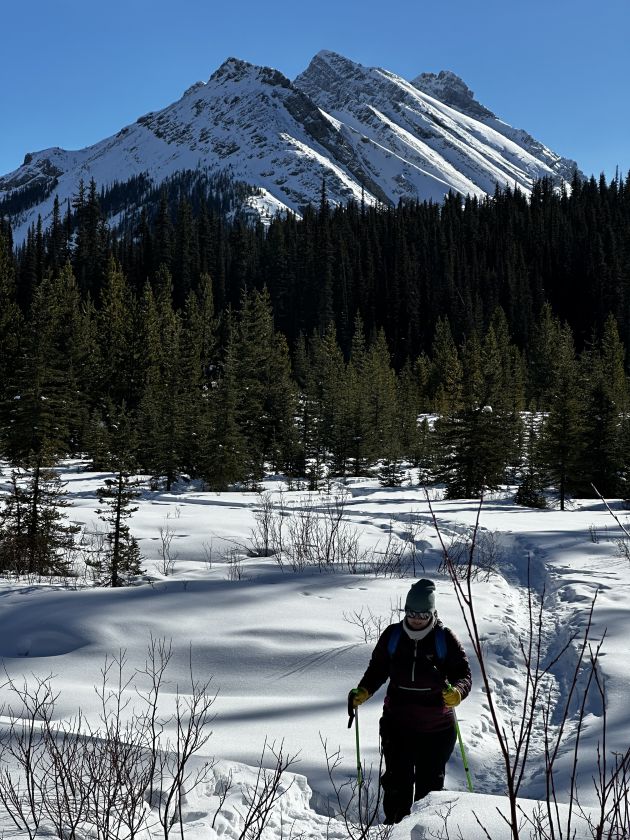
(450, 89)
(237, 70)
(328, 72)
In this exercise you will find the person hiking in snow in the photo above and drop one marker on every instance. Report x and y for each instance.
(428, 675)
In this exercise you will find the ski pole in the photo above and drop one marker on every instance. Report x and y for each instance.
(461, 746)
(353, 715)
(356, 734)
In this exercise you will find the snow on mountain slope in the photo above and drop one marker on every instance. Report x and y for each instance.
(451, 90)
(365, 131)
(430, 138)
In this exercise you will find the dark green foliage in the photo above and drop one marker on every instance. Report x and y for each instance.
(43, 410)
(605, 417)
(266, 403)
(191, 323)
(11, 320)
(474, 449)
(224, 447)
(160, 419)
(562, 438)
(121, 560)
(530, 491)
(35, 538)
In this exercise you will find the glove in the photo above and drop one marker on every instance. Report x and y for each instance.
(357, 696)
(452, 696)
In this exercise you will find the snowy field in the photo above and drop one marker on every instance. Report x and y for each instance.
(282, 648)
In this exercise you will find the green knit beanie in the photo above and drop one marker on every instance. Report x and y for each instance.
(421, 596)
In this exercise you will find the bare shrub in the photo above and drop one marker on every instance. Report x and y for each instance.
(166, 554)
(269, 786)
(234, 562)
(102, 780)
(208, 554)
(537, 711)
(481, 557)
(371, 625)
(356, 801)
(263, 532)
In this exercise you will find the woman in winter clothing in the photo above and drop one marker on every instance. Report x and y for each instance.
(428, 675)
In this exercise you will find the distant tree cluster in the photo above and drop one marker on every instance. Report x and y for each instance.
(478, 341)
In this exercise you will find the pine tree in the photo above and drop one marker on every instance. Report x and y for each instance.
(119, 379)
(446, 374)
(530, 491)
(357, 377)
(198, 372)
(331, 394)
(121, 560)
(267, 395)
(562, 438)
(473, 447)
(11, 320)
(408, 402)
(382, 409)
(604, 454)
(35, 538)
(160, 421)
(224, 456)
(43, 411)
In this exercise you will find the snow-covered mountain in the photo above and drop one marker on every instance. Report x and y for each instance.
(366, 131)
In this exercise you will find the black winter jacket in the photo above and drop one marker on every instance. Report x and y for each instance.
(416, 679)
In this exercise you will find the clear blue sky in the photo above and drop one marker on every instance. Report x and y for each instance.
(76, 71)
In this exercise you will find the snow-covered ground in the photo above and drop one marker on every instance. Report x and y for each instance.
(282, 648)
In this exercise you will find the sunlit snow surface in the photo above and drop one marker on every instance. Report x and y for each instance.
(282, 654)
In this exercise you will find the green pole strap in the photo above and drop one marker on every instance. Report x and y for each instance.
(356, 734)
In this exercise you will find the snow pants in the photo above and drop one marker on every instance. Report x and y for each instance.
(415, 764)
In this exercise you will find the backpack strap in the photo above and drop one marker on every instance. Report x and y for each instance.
(394, 639)
(440, 642)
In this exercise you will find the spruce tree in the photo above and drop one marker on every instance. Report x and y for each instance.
(357, 377)
(473, 449)
(446, 373)
(382, 410)
(11, 320)
(198, 372)
(43, 410)
(122, 560)
(266, 405)
(604, 454)
(116, 328)
(562, 437)
(224, 452)
(530, 492)
(160, 421)
(35, 537)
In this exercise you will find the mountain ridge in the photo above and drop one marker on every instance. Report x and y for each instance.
(366, 132)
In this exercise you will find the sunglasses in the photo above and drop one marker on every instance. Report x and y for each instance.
(422, 615)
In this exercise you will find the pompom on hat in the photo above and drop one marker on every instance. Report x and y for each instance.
(421, 596)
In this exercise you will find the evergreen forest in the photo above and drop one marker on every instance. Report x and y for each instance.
(479, 341)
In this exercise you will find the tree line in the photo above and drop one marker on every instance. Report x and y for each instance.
(330, 345)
